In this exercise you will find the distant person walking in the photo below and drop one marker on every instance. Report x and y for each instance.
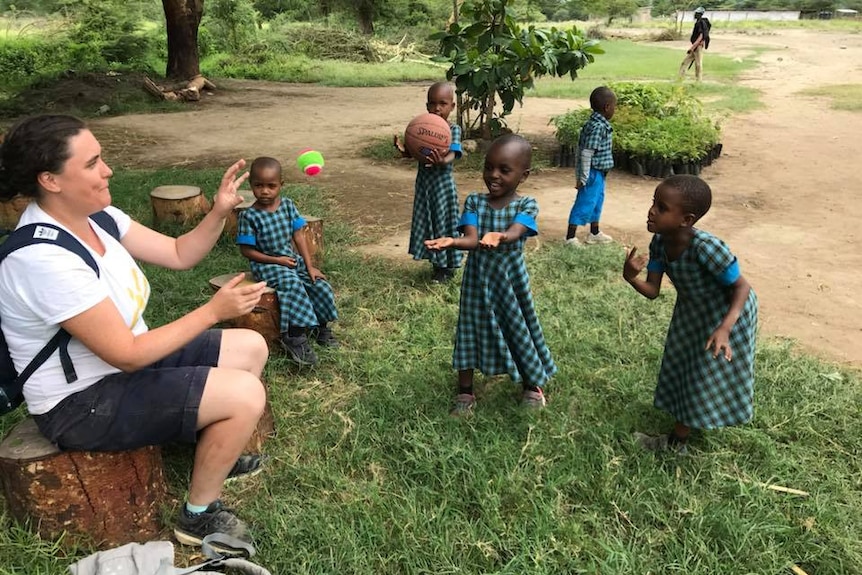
(699, 43)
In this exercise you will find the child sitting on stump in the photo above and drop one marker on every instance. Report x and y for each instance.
(305, 298)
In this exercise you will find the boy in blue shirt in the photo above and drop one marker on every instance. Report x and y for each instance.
(595, 159)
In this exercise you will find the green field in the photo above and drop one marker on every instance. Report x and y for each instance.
(369, 475)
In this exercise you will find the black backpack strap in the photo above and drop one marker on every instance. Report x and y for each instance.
(107, 223)
(44, 233)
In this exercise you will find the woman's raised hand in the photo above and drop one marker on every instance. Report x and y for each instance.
(227, 198)
(236, 298)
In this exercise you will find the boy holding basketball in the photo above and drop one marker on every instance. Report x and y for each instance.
(305, 298)
(435, 202)
(595, 160)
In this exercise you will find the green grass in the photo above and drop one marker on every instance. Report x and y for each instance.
(842, 96)
(636, 61)
(370, 475)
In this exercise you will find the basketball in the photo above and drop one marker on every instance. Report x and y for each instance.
(427, 132)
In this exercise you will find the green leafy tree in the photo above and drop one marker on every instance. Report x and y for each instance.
(493, 59)
(232, 22)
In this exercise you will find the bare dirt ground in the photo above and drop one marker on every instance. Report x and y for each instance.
(787, 190)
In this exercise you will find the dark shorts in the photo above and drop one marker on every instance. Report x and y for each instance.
(152, 406)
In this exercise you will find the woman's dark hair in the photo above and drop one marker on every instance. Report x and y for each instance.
(32, 146)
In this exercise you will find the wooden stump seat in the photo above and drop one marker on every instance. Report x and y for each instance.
(264, 318)
(314, 237)
(110, 498)
(178, 205)
(232, 221)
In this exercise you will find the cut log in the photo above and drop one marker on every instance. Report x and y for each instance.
(265, 428)
(187, 92)
(107, 498)
(178, 205)
(264, 318)
(314, 238)
(10, 212)
(230, 224)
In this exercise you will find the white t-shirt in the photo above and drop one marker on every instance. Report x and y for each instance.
(43, 285)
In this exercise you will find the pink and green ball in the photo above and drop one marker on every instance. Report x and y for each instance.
(310, 162)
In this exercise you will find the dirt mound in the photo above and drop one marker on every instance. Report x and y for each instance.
(79, 93)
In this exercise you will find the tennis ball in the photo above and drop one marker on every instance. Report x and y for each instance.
(310, 162)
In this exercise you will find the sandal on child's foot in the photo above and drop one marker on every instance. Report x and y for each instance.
(464, 403)
(533, 398)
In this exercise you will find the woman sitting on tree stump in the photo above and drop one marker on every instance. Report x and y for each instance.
(135, 386)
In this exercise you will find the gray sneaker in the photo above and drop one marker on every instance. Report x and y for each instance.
(298, 350)
(191, 528)
(324, 337)
(248, 465)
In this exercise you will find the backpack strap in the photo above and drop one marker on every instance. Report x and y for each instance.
(45, 233)
(107, 223)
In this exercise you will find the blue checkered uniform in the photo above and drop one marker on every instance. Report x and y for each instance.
(435, 209)
(301, 302)
(498, 330)
(699, 390)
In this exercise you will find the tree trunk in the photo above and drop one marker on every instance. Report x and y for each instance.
(365, 15)
(182, 18)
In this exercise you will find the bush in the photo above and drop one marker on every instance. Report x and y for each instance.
(24, 58)
(651, 122)
(318, 42)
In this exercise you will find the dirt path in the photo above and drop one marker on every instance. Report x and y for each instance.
(786, 190)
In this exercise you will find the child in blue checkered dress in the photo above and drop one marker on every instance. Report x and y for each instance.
(265, 230)
(595, 160)
(498, 330)
(706, 379)
(435, 202)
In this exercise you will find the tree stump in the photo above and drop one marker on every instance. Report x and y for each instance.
(110, 498)
(265, 428)
(314, 238)
(10, 212)
(232, 221)
(264, 318)
(178, 205)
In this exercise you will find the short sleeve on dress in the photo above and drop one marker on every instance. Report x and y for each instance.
(245, 235)
(656, 258)
(715, 257)
(528, 210)
(297, 222)
(470, 216)
(455, 146)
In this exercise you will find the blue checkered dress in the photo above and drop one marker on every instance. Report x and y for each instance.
(435, 209)
(301, 302)
(498, 330)
(698, 390)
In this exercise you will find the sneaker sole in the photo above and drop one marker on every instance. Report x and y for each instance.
(244, 475)
(195, 541)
